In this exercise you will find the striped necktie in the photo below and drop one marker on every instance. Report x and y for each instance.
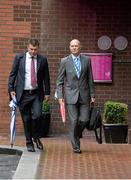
(77, 66)
(33, 74)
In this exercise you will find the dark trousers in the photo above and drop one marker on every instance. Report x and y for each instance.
(30, 109)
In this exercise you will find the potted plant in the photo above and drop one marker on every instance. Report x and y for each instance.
(115, 122)
(45, 119)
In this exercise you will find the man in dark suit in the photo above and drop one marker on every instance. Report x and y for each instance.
(75, 75)
(29, 81)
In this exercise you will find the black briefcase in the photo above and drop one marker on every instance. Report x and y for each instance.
(95, 123)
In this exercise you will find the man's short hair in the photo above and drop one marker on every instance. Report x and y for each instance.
(33, 42)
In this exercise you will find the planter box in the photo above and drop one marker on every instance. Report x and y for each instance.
(44, 124)
(115, 133)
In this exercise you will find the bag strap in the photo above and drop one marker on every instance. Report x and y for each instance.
(99, 138)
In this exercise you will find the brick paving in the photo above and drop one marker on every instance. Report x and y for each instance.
(97, 161)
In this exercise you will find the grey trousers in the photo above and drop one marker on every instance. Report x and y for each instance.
(78, 117)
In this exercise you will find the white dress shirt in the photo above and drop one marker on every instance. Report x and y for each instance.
(28, 71)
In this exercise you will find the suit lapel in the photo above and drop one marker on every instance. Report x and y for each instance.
(38, 62)
(23, 62)
(82, 64)
(71, 64)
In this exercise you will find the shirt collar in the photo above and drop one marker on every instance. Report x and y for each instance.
(73, 57)
(29, 56)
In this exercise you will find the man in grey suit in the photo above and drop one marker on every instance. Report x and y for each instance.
(75, 77)
(29, 81)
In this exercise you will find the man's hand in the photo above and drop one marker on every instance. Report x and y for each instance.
(92, 100)
(47, 97)
(60, 100)
(12, 94)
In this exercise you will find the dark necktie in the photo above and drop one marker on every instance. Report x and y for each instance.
(33, 74)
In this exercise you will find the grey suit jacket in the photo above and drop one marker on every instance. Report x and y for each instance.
(17, 76)
(74, 86)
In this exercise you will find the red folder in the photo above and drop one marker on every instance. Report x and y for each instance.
(62, 111)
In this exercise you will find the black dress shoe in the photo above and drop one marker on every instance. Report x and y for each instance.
(39, 144)
(76, 150)
(30, 147)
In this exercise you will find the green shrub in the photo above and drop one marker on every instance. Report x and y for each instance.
(45, 107)
(115, 113)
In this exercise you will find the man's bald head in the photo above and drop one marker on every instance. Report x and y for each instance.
(75, 47)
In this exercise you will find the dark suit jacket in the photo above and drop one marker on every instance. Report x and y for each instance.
(74, 86)
(17, 76)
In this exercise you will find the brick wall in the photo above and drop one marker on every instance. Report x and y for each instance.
(55, 23)
(19, 20)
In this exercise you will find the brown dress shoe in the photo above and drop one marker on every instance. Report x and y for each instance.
(39, 144)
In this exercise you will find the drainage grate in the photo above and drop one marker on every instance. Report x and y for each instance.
(8, 163)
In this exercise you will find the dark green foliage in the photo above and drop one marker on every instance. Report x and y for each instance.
(115, 113)
(45, 107)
